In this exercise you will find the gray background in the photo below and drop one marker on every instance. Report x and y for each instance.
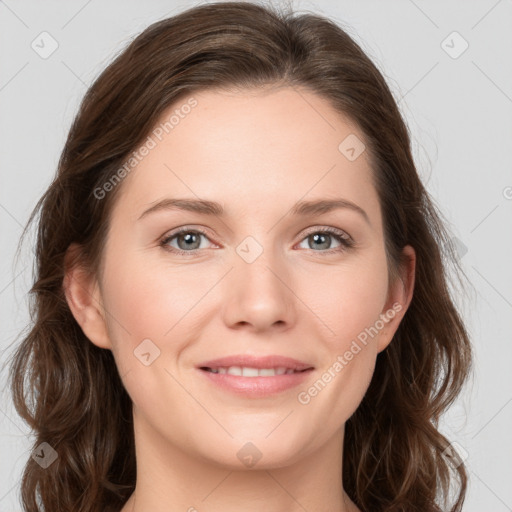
(458, 108)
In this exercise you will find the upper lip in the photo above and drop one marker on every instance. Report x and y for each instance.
(248, 361)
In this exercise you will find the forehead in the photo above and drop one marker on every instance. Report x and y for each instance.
(247, 149)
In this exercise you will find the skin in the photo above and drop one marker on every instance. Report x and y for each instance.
(257, 153)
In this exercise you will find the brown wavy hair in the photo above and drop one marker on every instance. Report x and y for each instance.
(69, 391)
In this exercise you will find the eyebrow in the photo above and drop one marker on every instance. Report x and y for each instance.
(301, 208)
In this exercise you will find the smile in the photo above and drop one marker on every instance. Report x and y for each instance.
(245, 371)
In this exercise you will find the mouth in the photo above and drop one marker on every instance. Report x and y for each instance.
(255, 377)
(247, 371)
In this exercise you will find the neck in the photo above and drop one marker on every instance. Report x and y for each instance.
(170, 480)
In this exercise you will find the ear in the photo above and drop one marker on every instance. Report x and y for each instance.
(84, 299)
(399, 297)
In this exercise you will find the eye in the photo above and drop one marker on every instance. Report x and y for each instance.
(322, 239)
(188, 241)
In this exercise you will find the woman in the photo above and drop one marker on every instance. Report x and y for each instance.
(241, 301)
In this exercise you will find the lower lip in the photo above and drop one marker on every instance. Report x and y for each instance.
(256, 387)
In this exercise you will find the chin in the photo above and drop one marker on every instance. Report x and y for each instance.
(259, 451)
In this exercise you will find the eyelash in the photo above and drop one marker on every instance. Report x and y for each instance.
(346, 241)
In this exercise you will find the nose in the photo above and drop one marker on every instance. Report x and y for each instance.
(259, 294)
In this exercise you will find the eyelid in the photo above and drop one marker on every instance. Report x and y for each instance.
(329, 229)
(312, 229)
(185, 228)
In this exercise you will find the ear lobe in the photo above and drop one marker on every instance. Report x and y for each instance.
(84, 298)
(399, 297)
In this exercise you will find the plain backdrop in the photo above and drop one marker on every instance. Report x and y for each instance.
(449, 66)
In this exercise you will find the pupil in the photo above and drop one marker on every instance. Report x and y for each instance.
(189, 238)
(319, 237)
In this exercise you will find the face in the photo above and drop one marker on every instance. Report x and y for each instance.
(255, 276)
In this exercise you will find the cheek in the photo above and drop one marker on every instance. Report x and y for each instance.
(144, 301)
(147, 302)
(348, 298)
(154, 302)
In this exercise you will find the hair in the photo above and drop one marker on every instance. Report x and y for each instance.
(69, 391)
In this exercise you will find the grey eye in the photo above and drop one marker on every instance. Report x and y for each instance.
(189, 240)
(321, 240)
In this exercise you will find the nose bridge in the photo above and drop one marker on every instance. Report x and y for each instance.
(257, 288)
(257, 262)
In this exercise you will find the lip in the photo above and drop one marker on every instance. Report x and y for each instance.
(256, 387)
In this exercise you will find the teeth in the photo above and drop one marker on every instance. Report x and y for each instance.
(253, 372)
(249, 372)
